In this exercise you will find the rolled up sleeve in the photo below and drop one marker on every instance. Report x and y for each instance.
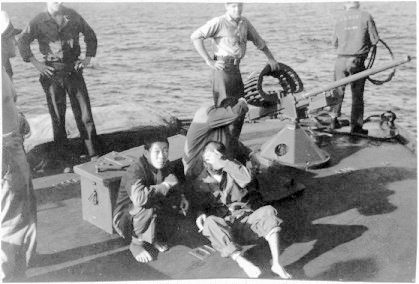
(208, 30)
(253, 36)
(27, 36)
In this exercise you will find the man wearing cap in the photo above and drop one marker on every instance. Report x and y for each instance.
(18, 204)
(355, 33)
(57, 31)
(230, 33)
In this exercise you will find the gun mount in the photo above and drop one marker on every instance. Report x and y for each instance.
(292, 146)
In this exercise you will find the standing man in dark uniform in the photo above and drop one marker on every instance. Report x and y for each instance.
(230, 33)
(57, 31)
(355, 34)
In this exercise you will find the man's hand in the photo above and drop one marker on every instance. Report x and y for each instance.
(171, 180)
(274, 64)
(200, 221)
(184, 204)
(216, 65)
(42, 68)
(83, 63)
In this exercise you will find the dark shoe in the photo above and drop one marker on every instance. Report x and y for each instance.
(359, 130)
(335, 124)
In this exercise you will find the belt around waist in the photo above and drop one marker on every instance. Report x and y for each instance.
(59, 66)
(228, 59)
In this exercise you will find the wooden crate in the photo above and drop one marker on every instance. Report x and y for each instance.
(99, 190)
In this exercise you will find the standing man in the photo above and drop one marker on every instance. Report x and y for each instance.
(18, 203)
(230, 33)
(355, 34)
(57, 31)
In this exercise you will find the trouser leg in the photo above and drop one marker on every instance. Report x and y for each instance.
(357, 88)
(56, 100)
(227, 85)
(219, 233)
(144, 225)
(340, 73)
(258, 224)
(18, 215)
(80, 104)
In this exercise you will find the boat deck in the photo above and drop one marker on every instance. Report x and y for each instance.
(355, 221)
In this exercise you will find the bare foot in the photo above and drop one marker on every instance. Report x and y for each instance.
(279, 270)
(161, 246)
(251, 270)
(140, 253)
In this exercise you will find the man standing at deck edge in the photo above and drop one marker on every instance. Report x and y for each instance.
(355, 34)
(230, 33)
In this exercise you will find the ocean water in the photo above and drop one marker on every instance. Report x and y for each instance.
(145, 57)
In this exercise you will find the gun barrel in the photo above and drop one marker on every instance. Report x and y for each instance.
(354, 77)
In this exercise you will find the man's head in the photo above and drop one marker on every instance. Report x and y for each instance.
(234, 10)
(352, 5)
(214, 151)
(8, 33)
(55, 9)
(157, 151)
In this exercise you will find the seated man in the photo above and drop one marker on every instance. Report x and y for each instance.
(142, 199)
(212, 124)
(232, 213)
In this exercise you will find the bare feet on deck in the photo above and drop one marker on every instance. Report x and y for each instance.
(251, 270)
(140, 253)
(280, 271)
(161, 246)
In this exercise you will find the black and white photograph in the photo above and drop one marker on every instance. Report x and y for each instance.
(209, 141)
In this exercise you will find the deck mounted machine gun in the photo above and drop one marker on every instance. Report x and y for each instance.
(292, 146)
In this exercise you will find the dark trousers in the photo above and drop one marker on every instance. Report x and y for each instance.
(55, 90)
(227, 88)
(344, 67)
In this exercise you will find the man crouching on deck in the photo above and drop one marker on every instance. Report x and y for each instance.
(232, 211)
(142, 199)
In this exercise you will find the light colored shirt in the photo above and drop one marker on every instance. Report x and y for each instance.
(355, 33)
(229, 37)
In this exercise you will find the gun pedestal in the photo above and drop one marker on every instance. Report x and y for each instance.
(292, 146)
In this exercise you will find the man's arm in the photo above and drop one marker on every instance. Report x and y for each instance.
(141, 194)
(28, 35)
(238, 172)
(260, 44)
(372, 31)
(198, 36)
(218, 117)
(90, 39)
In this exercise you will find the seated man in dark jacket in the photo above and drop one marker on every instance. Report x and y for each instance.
(234, 213)
(142, 199)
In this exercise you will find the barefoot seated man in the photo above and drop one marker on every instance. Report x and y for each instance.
(143, 199)
(231, 213)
